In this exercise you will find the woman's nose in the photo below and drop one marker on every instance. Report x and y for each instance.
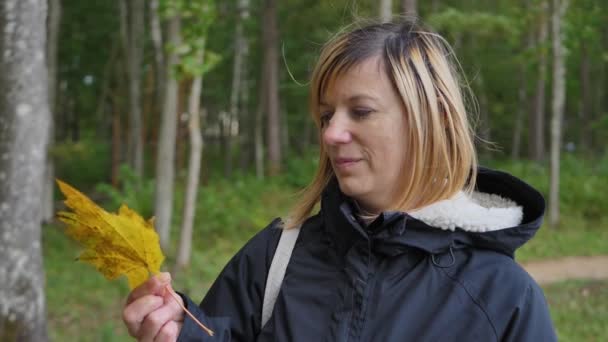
(337, 131)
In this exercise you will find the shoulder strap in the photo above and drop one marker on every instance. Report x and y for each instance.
(277, 270)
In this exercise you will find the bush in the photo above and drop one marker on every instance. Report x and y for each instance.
(136, 193)
(82, 163)
(582, 183)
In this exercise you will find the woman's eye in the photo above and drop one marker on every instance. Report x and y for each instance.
(325, 117)
(360, 113)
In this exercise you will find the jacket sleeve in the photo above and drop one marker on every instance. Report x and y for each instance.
(232, 307)
(531, 321)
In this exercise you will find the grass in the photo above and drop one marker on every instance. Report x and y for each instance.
(572, 237)
(579, 310)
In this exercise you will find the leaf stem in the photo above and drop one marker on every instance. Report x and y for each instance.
(179, 302)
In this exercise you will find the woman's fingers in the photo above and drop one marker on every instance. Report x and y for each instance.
(154, 285)
(159, 319)
(169, 332)
(135, 313)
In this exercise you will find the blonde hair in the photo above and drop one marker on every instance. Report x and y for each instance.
(423, 69)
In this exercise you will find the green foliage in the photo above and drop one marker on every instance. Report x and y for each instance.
(82, 163)
(480, 25)
(196, 18)
(136, 193)
(582, 183)
(579, 310)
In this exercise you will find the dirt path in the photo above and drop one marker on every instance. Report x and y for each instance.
(579, 267)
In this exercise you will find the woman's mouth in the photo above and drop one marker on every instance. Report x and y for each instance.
(344, 164)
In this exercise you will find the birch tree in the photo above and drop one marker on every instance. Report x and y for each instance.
(24, 134)
(194, 166)
(165, 168)
(195, 63)
(240, 59)
(559, 99)
(386, 12)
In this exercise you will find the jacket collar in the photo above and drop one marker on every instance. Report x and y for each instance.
(502, 215)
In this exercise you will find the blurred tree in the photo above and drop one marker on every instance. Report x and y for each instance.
(197, 16)
(165, 168)
(52, 42)
(559, 98)
(270, 33)
(385, 9)
(410, 7)
(238, 78)
(537, 131)
(132, 36)
(24, 135)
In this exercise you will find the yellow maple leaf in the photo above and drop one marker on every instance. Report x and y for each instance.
(116, 244)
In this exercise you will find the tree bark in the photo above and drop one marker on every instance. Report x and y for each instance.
(132, 22)
(24, 135)
(246, 137)
(385, 9)
(485, 128)
(259, 122)
(165, 168)
(537, 131)
(240, 55)
(585, 100)
(194, 166)
(271, 59)
(559, 99)
(53, 21)
(157, 41)
(409, 7)
(523, 104)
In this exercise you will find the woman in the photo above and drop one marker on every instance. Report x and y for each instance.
(413, 242)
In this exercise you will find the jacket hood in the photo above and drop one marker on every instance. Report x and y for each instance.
(502, 214)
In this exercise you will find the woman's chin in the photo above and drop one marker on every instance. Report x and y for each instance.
(351, 187)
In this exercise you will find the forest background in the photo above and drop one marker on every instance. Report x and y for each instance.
(195, 112)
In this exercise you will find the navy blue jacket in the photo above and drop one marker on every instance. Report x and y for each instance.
(396, 279)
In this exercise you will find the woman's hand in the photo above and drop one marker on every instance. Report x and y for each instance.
(151, 312)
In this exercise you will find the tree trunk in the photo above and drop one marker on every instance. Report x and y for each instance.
(157, 41)
(271, 59)
(101, 113)
(240, 51)
(246, 136)
(559, 99)
(24, 135)
(523, 105)
(194, 166)
(116, 146)
(435, 6)
(385, 9)
(132, 22)
(485, 128)
(537, 131)
(409, 7)
(259, 122)
(585, 100)
(165, 169)
(54, 18)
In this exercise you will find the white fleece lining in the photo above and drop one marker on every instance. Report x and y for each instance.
(478, 212)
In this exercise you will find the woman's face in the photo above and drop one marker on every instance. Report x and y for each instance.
(363, 130)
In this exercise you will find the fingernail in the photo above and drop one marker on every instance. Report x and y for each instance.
(164, 277)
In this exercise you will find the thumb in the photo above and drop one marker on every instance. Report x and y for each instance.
(153, 286)
(159, 282)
